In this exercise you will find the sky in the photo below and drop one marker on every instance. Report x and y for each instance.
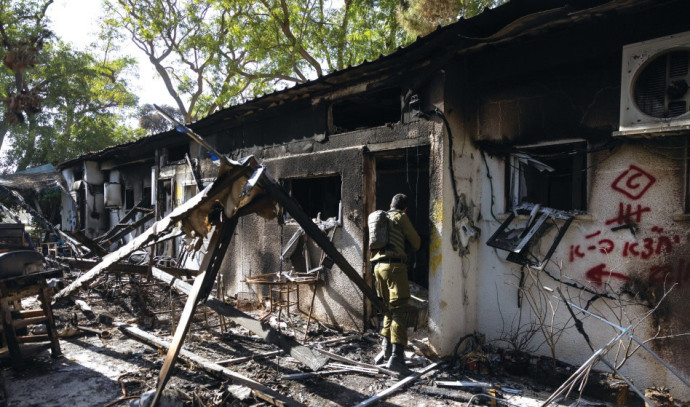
(76, 22)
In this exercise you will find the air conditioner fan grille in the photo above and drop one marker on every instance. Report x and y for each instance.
(661, 90)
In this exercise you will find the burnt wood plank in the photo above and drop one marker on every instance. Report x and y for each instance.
(309, 358)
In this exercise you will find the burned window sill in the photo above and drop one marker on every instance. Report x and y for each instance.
(681, 217)
(585, 217)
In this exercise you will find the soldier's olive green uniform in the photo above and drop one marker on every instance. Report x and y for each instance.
(390, 271)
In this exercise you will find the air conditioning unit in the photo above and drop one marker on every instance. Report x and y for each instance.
(655, 86)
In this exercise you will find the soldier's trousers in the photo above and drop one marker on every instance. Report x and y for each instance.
(392, 285)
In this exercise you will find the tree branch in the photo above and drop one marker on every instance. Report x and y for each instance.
(287, 31)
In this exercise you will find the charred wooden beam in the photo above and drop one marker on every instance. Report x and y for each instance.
(86, 264)
(302, 353)
(214, 369)
(124, 221)
(89, 243)
(220, 240)
(399, 385)
(377, 368)
(121, 230)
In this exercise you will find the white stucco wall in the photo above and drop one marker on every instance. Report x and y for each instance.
(96, 216)
(69, 213)
(452, 276)
(643, 183)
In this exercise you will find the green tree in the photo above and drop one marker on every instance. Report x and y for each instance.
(22, 35)
(420, 17)
(82, 109)
(59, 103)
(150, 120)
(214, 53)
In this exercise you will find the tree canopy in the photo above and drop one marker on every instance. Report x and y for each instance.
(58, 102)
(420, 17)
(214, 53)
(210, 54)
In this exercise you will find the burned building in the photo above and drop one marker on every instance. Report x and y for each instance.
(555, 131)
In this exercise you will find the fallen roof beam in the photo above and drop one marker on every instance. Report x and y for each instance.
(121, 230)
(262, 391)
(251, 357)
(124, 220)
(302, 353)
(76, 246)
(86, 264)
(381, 369)
(203, 283)
(92, 245)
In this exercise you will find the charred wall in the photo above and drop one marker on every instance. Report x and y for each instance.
(257, 243)
(545, 98)
(562, 84)
(279, 125)
(567, 85)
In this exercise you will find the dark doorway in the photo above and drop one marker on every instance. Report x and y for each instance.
(407, 171)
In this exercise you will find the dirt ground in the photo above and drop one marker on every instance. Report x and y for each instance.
(113, 369)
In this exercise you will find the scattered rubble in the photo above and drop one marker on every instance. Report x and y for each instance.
(227, 365)
(123, 325)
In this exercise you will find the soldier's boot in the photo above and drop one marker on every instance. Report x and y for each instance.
(396, 362)
(386, 351)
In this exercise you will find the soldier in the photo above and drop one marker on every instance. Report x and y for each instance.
(390, 271)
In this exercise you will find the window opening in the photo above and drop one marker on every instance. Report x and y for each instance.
(554, 176)
(366, 110)
(177, 153)
(146, 197)
(317, 195)
(129, 198)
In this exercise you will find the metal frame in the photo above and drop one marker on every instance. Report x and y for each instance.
(505, 238)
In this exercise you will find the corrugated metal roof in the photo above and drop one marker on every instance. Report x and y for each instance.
(494, 26)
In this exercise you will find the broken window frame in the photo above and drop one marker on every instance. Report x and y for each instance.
(538, 219)
(516, 185)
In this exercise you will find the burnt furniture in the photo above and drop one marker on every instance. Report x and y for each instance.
(16, 321)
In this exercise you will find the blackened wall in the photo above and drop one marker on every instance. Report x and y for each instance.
(564, 83)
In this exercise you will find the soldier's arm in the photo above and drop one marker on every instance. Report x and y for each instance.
(410, 233)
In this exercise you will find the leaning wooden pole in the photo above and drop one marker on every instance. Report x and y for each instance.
(202, 287)
(308, 357)
(262, 391)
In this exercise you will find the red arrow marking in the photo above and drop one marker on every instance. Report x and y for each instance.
(596, 273)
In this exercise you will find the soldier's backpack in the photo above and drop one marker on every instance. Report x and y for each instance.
(379, 224)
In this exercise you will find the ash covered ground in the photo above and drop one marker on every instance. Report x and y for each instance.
(102, 366)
